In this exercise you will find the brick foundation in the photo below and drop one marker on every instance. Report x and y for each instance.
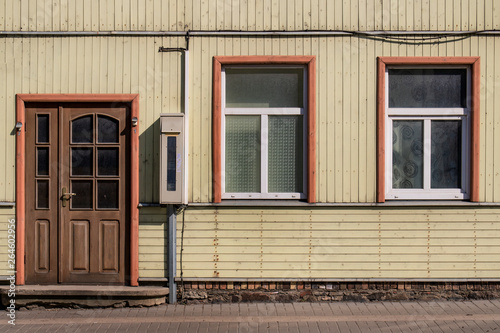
(235, 292)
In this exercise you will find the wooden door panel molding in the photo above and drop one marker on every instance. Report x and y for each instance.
(109, 232)
(79, 246)
(42, 246)
(109, 246)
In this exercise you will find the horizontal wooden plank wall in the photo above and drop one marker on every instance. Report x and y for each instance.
(6, 214)
(326, 243)
(153, 237)
(181, 15)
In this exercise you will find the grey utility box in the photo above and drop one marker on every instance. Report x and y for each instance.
(172, 164)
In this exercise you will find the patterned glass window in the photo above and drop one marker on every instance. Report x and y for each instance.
(263, 124)
(428, 112)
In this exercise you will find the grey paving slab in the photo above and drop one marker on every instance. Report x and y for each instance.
(339, 308)
(319, 308)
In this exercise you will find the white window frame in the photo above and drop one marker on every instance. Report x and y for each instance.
(427, 115)
(264, 113)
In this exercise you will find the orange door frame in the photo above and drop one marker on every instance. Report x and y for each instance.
(21, 100)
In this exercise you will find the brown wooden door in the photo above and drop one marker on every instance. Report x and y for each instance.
(77, 211)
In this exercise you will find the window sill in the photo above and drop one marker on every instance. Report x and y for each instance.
(297, 203)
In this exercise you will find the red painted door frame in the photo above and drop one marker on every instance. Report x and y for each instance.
(21, 99)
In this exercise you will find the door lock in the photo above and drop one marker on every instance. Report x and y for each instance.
(65, 196)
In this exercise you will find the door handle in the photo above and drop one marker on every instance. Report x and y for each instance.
(65, 196)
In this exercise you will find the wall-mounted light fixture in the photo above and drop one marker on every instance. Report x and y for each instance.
(19, 125)
(134, 122)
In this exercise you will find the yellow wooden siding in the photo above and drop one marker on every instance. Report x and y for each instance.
(112, 65)
(323, 243)
(6, 214)
(179, 15)
(153, 228)
(346, 107)
(340, 243)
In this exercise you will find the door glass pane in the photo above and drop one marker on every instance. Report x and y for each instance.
(242, 154)
(107, 194)
(107, 161)
(407, 154)
(82, 130)
(264, 87)
(427, 88)
(42, 161)
(81, 161)
(285, 154)
(42, 194)
(83, 194)
(171, 163)
(42, 128)
(107, 130)
(446, 154)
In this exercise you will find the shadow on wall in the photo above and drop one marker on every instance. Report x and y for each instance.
(149, 163)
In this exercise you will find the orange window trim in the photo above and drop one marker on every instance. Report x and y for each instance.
(474, 64)
(21, 100)
(310, 63)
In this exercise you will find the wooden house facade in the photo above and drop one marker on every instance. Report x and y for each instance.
(325, 140)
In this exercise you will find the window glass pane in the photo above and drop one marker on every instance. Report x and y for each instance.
(407, 154)
(82, 130)
(285, 154)
(242, 154)
(107, 194)
(264, 87)
(107, 161)
(81, 161)
(42, 194)
(427, 88)
(107, 130)
(42, 128)
(446, 154)
(171, 163)
(42, 161)
(83, 194)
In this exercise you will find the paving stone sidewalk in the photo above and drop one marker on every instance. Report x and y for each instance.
(445, 316)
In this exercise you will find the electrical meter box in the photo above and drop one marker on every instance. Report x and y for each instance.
(172, 164)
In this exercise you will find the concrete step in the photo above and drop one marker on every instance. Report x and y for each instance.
(84, 296)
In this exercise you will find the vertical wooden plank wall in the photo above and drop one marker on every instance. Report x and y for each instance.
(180, 15)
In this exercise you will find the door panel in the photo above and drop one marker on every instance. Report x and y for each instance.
(77, 194)
(42, 194)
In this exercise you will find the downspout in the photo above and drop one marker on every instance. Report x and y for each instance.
(171, 209)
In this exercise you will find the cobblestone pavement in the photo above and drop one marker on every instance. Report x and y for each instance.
(470, 316)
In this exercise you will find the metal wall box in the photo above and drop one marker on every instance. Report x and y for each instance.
(172, 166)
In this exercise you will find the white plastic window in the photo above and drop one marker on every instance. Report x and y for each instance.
(263, 126)
(427, 133)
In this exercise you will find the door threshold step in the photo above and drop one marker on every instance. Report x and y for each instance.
(82, 296)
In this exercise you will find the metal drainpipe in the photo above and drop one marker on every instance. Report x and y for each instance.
(171, 262)
(172, 217)
(186, 122)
